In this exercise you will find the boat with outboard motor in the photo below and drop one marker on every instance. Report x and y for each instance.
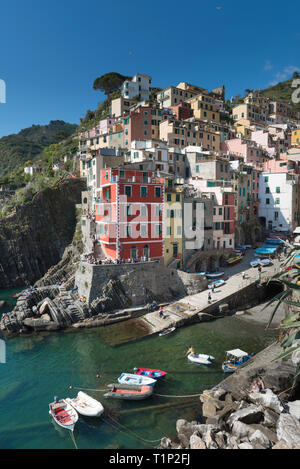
(63, 414)
(155, 374)
(136, 380)
(234, 359)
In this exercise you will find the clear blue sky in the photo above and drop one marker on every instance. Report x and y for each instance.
(51, 52)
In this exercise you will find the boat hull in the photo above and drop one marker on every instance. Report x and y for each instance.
(86, 405)
(167, 331)
(155, 374)
(63, 414)
(132, 393)
(214, 274)
(131, 379)
(200, 358)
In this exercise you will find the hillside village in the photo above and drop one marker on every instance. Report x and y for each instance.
(175, 176)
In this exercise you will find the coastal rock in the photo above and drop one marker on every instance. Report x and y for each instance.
(223, 308)
(288, 430)
(210, 407)
(245, 445)
(209, 441)
(196, 442)
(165, 443)
(3, 304)
(267, 399)
(294, 409)
(270, 418)
(251, 414)
(219, 393)
(241, 430)
(281, 445)
(259, 438)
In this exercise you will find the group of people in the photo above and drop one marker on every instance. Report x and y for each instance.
(257, 385)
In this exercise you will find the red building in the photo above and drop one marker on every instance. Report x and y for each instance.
(129, 214)
(182, 111)
(137, 125)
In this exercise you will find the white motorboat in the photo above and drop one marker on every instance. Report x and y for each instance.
(136, 380)
(234, 359)
(167, 331)
(200, 358)
(86, 405)
(63, 413)
(216, 283)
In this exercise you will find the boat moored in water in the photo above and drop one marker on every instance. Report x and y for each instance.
(86, 405)
(234, 260)
(136, 380)
(200, 358)
(167, 331)
(63, 414)
(234, 359)
(125, 391)
(155, 374)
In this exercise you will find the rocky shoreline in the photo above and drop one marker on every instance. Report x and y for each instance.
(234, 418)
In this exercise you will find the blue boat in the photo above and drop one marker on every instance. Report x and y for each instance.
(234, 359)
(274, 241)
(216, 283)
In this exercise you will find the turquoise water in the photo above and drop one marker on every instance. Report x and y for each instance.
(41, 366)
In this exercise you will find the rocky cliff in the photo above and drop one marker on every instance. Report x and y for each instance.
(35, 237)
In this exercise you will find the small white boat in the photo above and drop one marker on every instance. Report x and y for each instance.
(63, 413)
(264, 262)
(214, 274)
(255, 262)
(200, 358)
(216, 283)
(136, 380)
(167, 331)
(86, 405)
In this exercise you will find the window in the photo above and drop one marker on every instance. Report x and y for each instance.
(278, 190)
(266, 178)
(179, 231)
(128, 231)
(267, 190)
(144, 210)
(158, 230)
(169, 197)
(128, 191)
(143, 191)
(122, 174)
(220, 211)
(169, 231)
(177, 198)
(129, 210)
(267, 201)
(197, 168)
(157, 192)
(277, 201)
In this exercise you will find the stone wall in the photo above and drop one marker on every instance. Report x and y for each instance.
(140, 282)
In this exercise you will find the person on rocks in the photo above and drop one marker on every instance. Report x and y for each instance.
(260, 383)
(255, 386)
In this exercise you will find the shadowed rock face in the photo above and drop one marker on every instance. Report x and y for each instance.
(35, 237)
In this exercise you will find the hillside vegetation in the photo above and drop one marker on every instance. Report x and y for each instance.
(29, 143)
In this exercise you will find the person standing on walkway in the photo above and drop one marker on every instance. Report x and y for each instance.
(243, 275)
(209, 298)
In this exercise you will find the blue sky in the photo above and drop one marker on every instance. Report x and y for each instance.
(51, 52)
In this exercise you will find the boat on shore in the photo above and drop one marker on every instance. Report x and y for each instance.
(155, 374)
(264, 262)
(234, 260)
(136, 380)
(234, 359)
(125, 391)
(215, 274)
(255, 262)
(200, 358)
(216, 283)
(86, 405)
(167, 331)
(63, 414)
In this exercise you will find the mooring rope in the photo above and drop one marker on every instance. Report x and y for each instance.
(154, 394)
(129, 431)
(73, 439)
(172, 395)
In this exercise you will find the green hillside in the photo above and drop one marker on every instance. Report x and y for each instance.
(29, 143)
(282, 92)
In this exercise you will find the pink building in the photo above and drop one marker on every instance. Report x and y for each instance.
(246, 149)
(138, 125)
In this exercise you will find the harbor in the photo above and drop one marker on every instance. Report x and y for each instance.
(41, 366)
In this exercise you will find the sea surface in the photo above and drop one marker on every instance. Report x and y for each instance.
(41, 366)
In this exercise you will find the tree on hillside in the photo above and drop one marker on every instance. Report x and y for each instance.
(110, 82)
(296, 74)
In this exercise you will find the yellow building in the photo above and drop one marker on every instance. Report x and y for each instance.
(295, 138)
(173, 224)
(204, 107)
